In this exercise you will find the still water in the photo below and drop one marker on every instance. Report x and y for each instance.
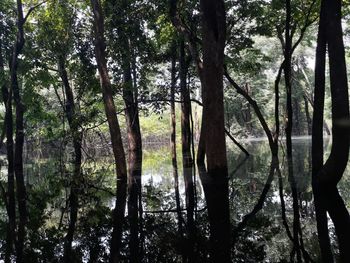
(263, 237)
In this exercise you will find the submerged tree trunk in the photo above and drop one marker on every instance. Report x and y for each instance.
(215, 181)
(11, 202)
(287, 68)
(325, 177)
(70, 112)
(19, 136)
(114, 129)
(296, 215)
(317, 138)
(173, 153)
(187, 161)
(134, 155)
(192, 46)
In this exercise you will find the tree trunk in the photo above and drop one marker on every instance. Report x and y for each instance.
(134, 155)
(215, 182)
(187, 161)
(277, 104)
(287, 68)
(173, 152)
(326, 177)
(11, 208)
(296, 215)
(317, 138)
(114, 129)
(70, 111)
(19, 136)
(307, 115)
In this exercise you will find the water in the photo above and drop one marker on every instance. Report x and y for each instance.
(262, 239)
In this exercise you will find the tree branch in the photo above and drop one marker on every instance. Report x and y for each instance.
(186, 32)
(256, 108)
(237, 143)
(31, 9)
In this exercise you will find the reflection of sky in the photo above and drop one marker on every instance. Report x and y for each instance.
(151, 176)
(158, 173)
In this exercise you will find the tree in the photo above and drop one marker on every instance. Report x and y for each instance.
(215, 179)
(57, 20)
(10, 197)
(17, 165)
(186, 142)
(325, 176)
(114, 129)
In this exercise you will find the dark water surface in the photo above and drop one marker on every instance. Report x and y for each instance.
(262, 236)
(266, 199)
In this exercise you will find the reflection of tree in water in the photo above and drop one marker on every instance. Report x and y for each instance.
(258, 237)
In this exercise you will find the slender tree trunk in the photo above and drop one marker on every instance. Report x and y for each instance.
(19, 136)
(287, 68)
(139, 182)
(215, 182)
(11, 209)
(248, 113)
(187, 161)
(296, 215)
(70, 111)
(287, 77)
(114, 129)
(174, 154)
(277, 103)
(307, 115)
(134, 155)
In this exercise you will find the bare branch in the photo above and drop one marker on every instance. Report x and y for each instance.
(31, 9)
(307, 23)
(256, 108)
(237, 143)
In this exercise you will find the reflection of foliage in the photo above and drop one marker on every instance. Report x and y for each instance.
(94, 233)
(264, 238)
(252, 242)
(162, 242)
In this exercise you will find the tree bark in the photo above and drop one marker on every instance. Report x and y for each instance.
(326, 176)
(192, 46)
(287, 69)
(174, 154)
(11, 209)
(19, 135)
(187, 161)
(114, 129)
(134, 154)
(215, 181)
